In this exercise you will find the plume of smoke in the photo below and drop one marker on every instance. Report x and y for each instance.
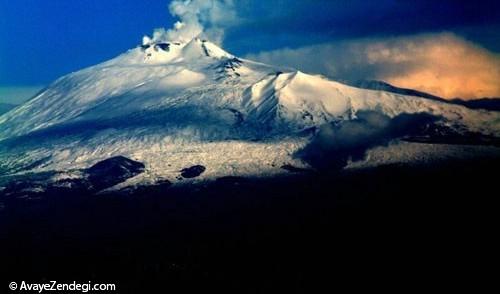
(336, 143)
(198, 18)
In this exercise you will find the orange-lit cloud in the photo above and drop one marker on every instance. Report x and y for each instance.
(441, 64)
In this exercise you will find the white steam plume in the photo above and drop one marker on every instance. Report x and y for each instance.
(197, 18)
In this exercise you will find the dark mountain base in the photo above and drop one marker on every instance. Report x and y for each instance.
(376, 228)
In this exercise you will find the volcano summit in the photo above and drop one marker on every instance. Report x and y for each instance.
(172, 105)
(178, 166)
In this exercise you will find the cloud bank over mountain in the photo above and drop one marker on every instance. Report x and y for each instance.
(443, 64)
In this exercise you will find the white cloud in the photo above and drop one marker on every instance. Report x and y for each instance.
(198, 18)
(442, 64)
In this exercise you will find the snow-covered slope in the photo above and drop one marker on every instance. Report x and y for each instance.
(170, 105)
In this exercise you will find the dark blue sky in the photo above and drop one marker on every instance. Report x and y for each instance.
(42, 40)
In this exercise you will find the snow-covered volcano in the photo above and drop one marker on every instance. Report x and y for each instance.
(173, 105)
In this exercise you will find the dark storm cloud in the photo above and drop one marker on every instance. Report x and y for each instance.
(296, 23)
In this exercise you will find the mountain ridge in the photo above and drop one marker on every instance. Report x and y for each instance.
(486, 103)
(175, 105)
